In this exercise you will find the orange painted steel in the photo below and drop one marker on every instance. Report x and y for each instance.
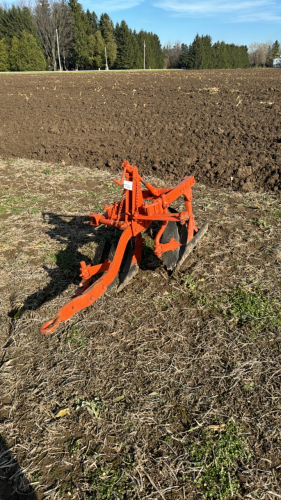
(133, 214)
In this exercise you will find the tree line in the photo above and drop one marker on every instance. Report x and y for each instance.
(203, 54)
(61, 35)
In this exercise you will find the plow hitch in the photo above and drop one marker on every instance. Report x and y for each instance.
(176, 237)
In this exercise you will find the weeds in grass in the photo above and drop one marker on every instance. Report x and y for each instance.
(148, 254)
(15, 204)
(36, 210)
(75, 177)
(260, 223)
(74, 446)
(110, 483)
(249, 386)
(254, 308)
(92, 406)
(217, 455)
(251, 308)
(189, 282)
(148, 243)
(112, 186)
(65, 259)
(77, 337)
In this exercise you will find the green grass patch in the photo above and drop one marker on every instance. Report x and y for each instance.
(217, 456)
(77, 337)
(252, 308)
(189, 282)
(75, 446)
(260, 223)
(111, 482)
(65, 259)
(15, 204)
(148, 246)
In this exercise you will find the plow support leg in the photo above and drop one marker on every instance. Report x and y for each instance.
(92, 293)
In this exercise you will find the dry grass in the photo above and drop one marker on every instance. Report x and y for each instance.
(148, 375)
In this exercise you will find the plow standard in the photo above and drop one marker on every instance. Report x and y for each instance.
(176, 237)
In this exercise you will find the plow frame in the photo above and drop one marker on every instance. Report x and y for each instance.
(133, 214)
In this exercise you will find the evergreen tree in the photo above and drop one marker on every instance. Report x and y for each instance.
(80, 54)
(216, 55)
(15, 55)
(82, 39)
(137, 56)
(184, 58)
(125, 47)
(93, 22)
(222, 61)
(96, 47)
(2, 17)
(142, 38)
(244, 62)
(275, 51)
(207, 56)
(138, 52)
(196, 53)
(15, 20)
(237, 56)
(157, 59)
(32, 57)
(202, 54)
(91, 49)
(154, 57)
(107, 30)
(25, 55)
(4, 56)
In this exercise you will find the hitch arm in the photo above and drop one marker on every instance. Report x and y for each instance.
(92, 293)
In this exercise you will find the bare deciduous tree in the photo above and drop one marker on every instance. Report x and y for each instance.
(49, 17)
(64, 24)
(171, 54)
(258, 53)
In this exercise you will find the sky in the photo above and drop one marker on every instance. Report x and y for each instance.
(234, 21)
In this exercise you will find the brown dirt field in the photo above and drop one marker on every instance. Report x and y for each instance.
(170, 389)
(221, 126)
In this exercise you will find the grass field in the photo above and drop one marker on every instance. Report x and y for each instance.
(168, 390)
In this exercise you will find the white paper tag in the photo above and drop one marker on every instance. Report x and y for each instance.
(128, 185)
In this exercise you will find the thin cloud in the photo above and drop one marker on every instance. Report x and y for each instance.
(241, 11)
(115, 5)
(260, 17)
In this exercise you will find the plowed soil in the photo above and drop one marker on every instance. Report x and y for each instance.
(222, 126)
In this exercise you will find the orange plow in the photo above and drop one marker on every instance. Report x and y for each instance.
(137, 210)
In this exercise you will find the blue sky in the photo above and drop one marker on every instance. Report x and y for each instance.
(234, 21)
